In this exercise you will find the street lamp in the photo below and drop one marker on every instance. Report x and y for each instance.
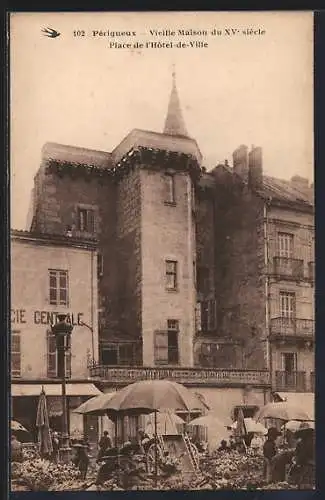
(92, 340)
(62, 331)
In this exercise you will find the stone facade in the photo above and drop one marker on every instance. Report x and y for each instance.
(31, 310)
(221, 230)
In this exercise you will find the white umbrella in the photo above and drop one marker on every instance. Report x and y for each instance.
(252, 426)
(167, 423)
(294, 425)
(283, 411)
(217, 431)
(16, 426)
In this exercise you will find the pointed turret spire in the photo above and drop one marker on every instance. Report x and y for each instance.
(174, 124)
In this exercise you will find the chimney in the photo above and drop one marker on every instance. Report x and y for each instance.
(240, 161)
(255, 168)
(300, 183)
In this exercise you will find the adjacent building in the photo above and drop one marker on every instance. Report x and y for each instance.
(52, 274)
(203, 277)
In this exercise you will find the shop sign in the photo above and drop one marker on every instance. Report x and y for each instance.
(21, 316)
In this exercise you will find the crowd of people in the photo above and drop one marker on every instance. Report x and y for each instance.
(288, 456)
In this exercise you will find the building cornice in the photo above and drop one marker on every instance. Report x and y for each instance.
(52, 239)
(140, 156)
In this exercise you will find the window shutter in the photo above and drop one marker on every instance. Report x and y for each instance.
(161, 347)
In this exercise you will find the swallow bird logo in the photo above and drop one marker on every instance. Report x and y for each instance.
(50, 32)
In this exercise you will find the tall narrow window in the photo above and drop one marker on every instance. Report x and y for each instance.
(171, 274)
(208, 315)
(166, 344)
(172, 332)
(86, 220)
(288, 305)
(170, 188)
(58, 281)
(285, 245)
(52, 358)
(289, 362)
(15, 354)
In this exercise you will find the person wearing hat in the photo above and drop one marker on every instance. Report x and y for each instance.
(55, 446)
(104, 444)
(16, 449)
(269, 451)
(81, 459)
(304, 469)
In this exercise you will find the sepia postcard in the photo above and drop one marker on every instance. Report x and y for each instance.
(162, 251)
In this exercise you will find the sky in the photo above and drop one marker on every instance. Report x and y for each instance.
(240, 89)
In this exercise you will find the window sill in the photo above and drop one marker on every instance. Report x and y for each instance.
(170, 203)
(172, 290)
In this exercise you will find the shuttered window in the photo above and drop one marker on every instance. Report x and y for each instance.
(161, 348)
(166, 344)
(86, 220)
(171, 274)
(58, 287)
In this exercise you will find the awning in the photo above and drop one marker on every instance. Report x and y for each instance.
(305, 400)
(54, 389)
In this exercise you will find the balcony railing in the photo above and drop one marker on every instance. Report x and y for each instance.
(288, 268)
(290, 381)
(186, 376)
(292, 327)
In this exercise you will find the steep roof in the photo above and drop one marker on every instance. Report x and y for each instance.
(174, 123)
(278, 190)
(283, 190)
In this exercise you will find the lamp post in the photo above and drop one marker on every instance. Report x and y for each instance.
(62, 331)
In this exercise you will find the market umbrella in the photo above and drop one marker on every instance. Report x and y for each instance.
(94, 405)
(16, 426)
(283, 411)
(294, 425)
(148, 396)
(42, 423)
(167, 423)
(217, 431)
(252, 426)
(151, 396)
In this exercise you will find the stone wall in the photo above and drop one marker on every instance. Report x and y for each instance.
(240, 282)
(128, 260)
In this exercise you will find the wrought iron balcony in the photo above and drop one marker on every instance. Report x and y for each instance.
(286, 267)
(187, 376)
(284, 327)
(290, 381)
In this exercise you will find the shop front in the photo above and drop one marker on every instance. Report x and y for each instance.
(24, 397)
